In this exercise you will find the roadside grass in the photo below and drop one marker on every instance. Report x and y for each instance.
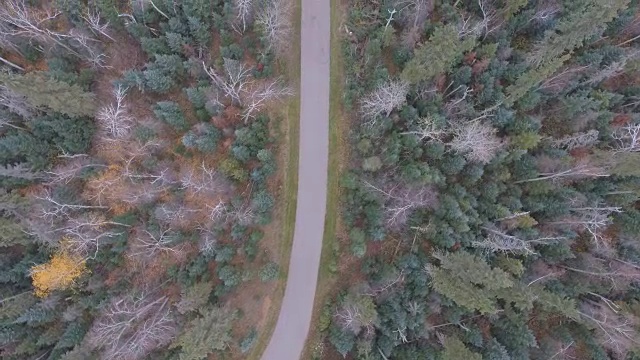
(288, 134)
(338, 155)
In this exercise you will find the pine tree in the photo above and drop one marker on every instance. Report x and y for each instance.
(49, 94)
(209, 332)
(194, 297)
(170, 112)
(469, 281)
(455, 349)
(574, 29)
(438, 55)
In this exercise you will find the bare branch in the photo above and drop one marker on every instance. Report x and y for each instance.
(383, 100)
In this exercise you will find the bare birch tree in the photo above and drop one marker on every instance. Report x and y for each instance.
(427, 129)
(498, 241)
(274, 19)
(244, 14)
(203, 181)
(594, 220)
(402, 199)
(53, 209)
(627, 138)
(233, 81)
(575, 172)
(583, 139)
(475, 140)
(16, 103)
(261, 94)
(114, 119)
(132, 326)
(616, 329)
(148, 244)
(383, 100)
(92, 18)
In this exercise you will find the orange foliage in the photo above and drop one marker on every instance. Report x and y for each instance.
(59, 273)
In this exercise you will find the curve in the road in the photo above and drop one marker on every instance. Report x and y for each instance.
(288, 339)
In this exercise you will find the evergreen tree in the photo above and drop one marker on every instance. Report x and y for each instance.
(51, 95)
(438, 55)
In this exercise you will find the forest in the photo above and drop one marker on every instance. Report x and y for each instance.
(491, 204)
(138, 163)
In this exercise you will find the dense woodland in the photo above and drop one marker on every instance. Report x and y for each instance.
(492, 201)
(137, 154)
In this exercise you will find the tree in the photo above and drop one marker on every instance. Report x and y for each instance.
(60, 273)
(46, 93)
(357, 312)
(269, 272)
(383, 100)
(577, 140)
(468, 281)
(132, 326)
(627, 138)
(532, 77)
(575, 28)
(274, 20)
(475, 140)
(208, 332)
(617, 329)
(259, 95)
(114, 119)
(203, 137)
(244, 14)
(454, 349)
(401, 199)
(438, 55)
(234, 81)
(170, 112)
(16, 103)
(194, 297)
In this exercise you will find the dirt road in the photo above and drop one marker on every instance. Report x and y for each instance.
(293, 323)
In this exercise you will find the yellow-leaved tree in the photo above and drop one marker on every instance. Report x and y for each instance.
(59, 273)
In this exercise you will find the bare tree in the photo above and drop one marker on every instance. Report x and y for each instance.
(427, 129)
(274, 18)
(402, 199)
(133, 326)
(92, 18)
(383, 100)
(233, 81)
(498, 241)
(148, 244)
(85, 233)
(16, 103)
(52, 208)
(594, 220)
(574, 172)
(583, 139)
(114, 119)
(208, 241)
(20, 171)
(261, 94)
(69, 170)
(476, 140)
(546, 10)
(616, 329)
(17, 20)
(244, 17)
(627, 138)
(204, 181)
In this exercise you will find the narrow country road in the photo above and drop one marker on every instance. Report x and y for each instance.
(291, 330)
